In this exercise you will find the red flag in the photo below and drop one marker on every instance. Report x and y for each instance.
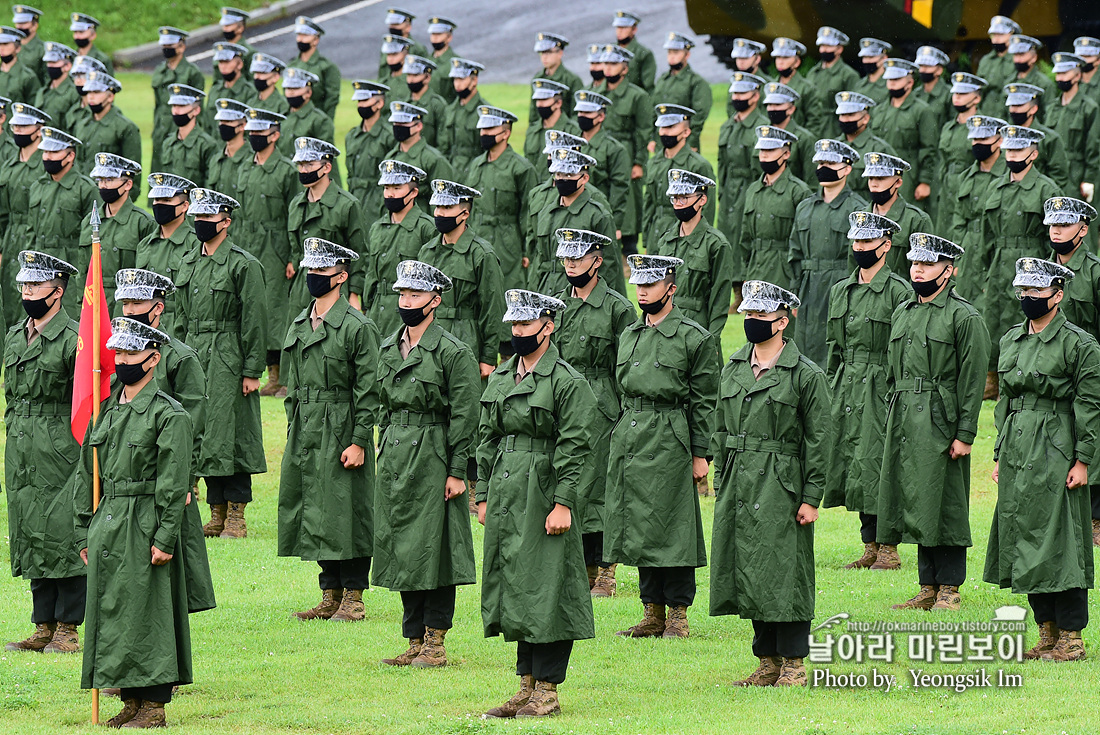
(94, 304)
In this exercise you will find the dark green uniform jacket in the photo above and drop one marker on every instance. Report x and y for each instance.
(588, 335)
(545, 274)
(688, 88)
(738, 166)
(1081, 304)
(390, 243)
(534, 452)
(307, 121)
(1079, 125)
(326, 94)
(30, 55)
(502, 208)
(429, 160)
(534, 141)
(668, 378)
(955, 157)
(705, 281)
(40, 452)
(562, 76)
(657, 214)
(771, 449)
(997, 70)
(822, 84)
(440, 83)
(766, 226)
(274, 102)
(912, 132)
(163, 255)
(435, 104)
(858, 335)
(968, 200)
(472, 310)
(18, 223)
(1054, 159)
(164, 76)
(910, 219)
(819, 254)
(119, 236)
(19, 84)
(428, 418)
(57, 210)
(643, 68)
(223, 315)
(876, 90)
(458, 138)
(326, 510)
(864, 143)
(611, 174)
(266, 192)
(1047, 419)
(136, 631)
(58, 102)
(114, 133)
(938, 353)
(224, 170)
(363, 151)
(242, 91)
(190, 157)
(630, 121)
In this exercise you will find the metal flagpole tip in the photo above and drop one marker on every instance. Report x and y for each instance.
(95, 221)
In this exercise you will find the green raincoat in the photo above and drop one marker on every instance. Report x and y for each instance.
(766, 225)
(545, 274)
(163, 255)
(57, 209)
(738, 167)
(705, 282)
(657, 213)
(390, 243)
(363, 151)
(119, 236)
(502, 208)
(17, 225)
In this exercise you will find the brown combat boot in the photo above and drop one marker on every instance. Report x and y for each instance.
(432, 653)
(923, 600)
(703, 488)
(519, 699)
(235, 526)
(652, 624)
(870, 556)
(272, 386)
(992, 390)
(150, 715)
(765, 675)
(887, 560)
(543, 702)
(351, 608)
(792, 673)
(472, 500)
(330, 603)
(216, 524)
(407, 657)
(39, 639)
(1070, 647)
(1096, 531)
(605, 582)
(130, 709)
(948, 598)
(65, 640)
(676, 626)
(1048, 636)
(593, 570)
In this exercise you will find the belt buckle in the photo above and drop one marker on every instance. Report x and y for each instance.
(404, 421)
(918, 385)
(510, 443)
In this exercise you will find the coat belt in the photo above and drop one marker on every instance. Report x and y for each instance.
(857, 356)
(404, 417)
(312, 395)
(524, 443)
(823, 264)
(1045, 405)
(637, 403)
(122, 488)
(921, 385)
(742, 443)
(26, 408)
(196, 326)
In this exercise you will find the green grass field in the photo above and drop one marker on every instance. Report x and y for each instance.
(259, 671)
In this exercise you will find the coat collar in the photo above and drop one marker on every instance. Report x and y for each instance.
(940, 301)
(668, 326)
(877, 284)
(1049, 333)
(743, 375)
(143, 399)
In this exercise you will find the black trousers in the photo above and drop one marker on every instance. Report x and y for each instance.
(1069, 609)
(1094, 492)
(345, 574)
(159, 693)
(59, 600)
(543, 661)
(427, 609)
(231, 489)
(273, 357)
(667, 585)
(593, 549)
(630, 244)
(938, 565)
(868, 527)
(788, 640)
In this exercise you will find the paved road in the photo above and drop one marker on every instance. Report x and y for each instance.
(499, 34)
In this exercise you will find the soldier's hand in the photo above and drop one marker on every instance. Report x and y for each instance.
(699, 468)
(637, 172)
(806, 514)
(958, 449)
(84, 556)
(453, 487)
(923, 191)
(1078, 475)
(486, 369)
(249, 385)
(1087, 190)
(188, 498)
(996, 474)
(559, 520)
(159, 557)
(651, 146)
(526, 261)
(354, 456)
(290, 271)
(481, 512)
(618, 234)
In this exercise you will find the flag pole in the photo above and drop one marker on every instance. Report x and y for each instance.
(97, 371)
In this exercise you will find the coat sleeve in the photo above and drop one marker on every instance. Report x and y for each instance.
(463, 381)
(834, 329)
(331, 81)
(490, 290)
(703, 379)
(929, 146)
(364, 390)
(81, 481)
(189, 388)
(573, 405)
(357, 241)
(817, 429)
(721, 286)
(130, 143)
(1086, 400)
(702, 99)
(796, 247)
(488, 439)
(648, 72)
(643, 125)
(973, 348)
(174, 447)
(618, 167)
(1092, 146)
(1056, 166)
(253, 318)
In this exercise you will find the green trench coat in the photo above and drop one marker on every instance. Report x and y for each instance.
(57, 210)
(770, 450)
(164, 255)
(858, 335)
(41, 451)
(363, 151)
(390, 243)
(533, 452)
(502, 209)
(938, 354)
(136, 631)
(429, 409)
(119, 237)
(1047, 418)
(221, 310)
(668, 378)
(705, 282)
(18, 222)
(767, 221)
(325, 510)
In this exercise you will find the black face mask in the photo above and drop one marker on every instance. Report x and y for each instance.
(655, 307)
(759, 330)
(303, 47)
(412, 317)
(260, 84)
(227, 132)
(1022, 67)
(180, 120)
(110, 196)
(228, 35)
(612, 78)
(82, 42)
(446, 224)
(319, 284)
(1000, 48)
(596, 74)
(164, 213)
(394, 204)
(415, 87)
(37, 308)
(1065, 248)
(566, 187)
(52, 167)
(170, 52)
(1019, 118)
(771, 167)
(826, 175)
(96, 108)
(740, 105)
(439, 45)
(305, 178)
(546, 112)
(927, 77)
(229, 76)
(258, 142)
(786, 73)
(828, 57)
(849, 127)
(132, 374)
(296, 101)
(1065, 84)
(868, 68)
(581, 279)
(866, 258)
(7, 59)
(669, 141)
(676, 67)
(463, 93)
(925, 289)
(1018, 166)
(961, 108)
(368, 112)
(397, 67)
(585, 123)
(898, 93)
(982, 151)
(487, 141)
(205, 231)
(402, 133)
(1088, 67)
(146, 318)
(55, 72)
(684, 214)
(80, 89)
(1036, 307)
(524, 346)
(881, 197)
(22, 141)
(396, 32)
(778, 117)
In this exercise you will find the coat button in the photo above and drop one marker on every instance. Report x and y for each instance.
(105, 553)
(635, 365)
(396, 442)
(748, 398)
(582, 338)
(412, 380)
(109, 516)
(633, 423)
(756, 506)
(740, 504)
(505, 474)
